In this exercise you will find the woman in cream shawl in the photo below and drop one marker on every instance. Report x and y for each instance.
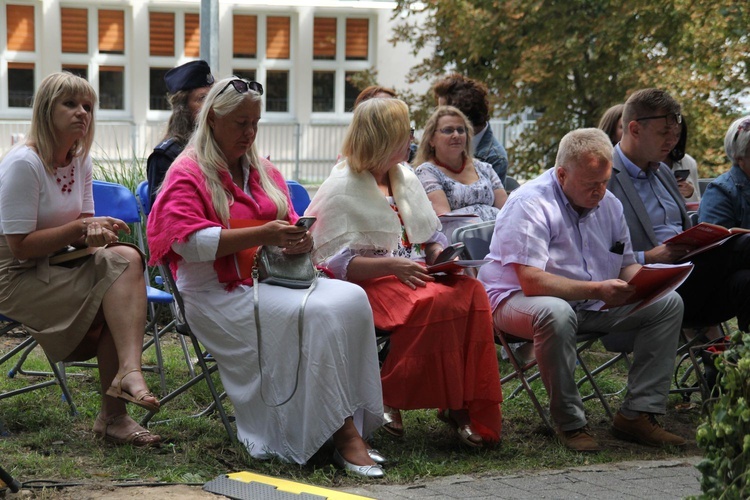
(376, 228)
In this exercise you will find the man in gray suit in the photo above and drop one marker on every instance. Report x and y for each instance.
(719, 287)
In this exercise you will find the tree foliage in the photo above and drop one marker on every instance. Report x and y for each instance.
(570, 60)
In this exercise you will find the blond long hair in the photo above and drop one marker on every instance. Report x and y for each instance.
(42, 135)
(379, 125)
(211, 160)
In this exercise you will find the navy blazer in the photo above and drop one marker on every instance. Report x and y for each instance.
(641, 230)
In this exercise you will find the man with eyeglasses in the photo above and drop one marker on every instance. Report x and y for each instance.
(719, 286)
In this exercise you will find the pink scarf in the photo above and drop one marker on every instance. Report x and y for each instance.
(184, 206)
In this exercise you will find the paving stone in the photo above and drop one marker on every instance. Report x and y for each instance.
(654, 479)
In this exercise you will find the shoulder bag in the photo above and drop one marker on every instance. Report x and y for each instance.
(274, 267)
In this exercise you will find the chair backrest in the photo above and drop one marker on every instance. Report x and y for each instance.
(144, 200)
(476, 238)
(510, 184)
(703, 184)
(115, 200)
(300, 196)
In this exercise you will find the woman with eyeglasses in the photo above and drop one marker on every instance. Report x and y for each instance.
(290, 394)
(455, 181)
(726, 201)
(376, 228)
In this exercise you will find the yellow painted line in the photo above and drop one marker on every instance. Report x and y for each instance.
(292, 486)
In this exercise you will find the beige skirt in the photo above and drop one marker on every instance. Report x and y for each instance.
(56, 303)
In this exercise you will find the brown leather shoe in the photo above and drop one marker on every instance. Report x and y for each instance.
(578, 440)
(644, 429)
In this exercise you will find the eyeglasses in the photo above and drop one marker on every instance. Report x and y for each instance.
(673, 119)
(745, 125)
(450, 130)
(243, 86)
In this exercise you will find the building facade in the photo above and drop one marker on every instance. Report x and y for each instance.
(301, 51)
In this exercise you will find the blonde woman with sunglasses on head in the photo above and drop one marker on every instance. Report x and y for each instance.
(320, 386)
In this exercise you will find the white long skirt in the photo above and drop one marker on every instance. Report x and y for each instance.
(339, 375)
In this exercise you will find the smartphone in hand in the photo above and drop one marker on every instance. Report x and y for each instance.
(305, 221)
(449, 253)
(681, 174)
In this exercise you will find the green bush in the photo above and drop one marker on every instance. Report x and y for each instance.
(725, 435)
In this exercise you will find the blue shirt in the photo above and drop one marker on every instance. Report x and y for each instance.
(538, 227)
(662, 209)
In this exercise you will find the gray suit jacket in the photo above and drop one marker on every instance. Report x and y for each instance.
(641, 230)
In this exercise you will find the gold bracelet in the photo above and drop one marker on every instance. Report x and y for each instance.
(85, 226)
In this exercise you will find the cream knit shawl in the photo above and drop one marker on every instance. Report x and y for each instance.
(353, 213)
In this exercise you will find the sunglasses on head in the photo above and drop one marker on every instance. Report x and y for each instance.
(243, 86)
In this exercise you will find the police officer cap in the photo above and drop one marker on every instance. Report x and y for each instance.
(192, 75)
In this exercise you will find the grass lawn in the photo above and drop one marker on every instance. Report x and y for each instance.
(45, 442)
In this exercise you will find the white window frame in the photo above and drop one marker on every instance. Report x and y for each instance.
(93, 59)
(341, 66)
(8, 112)
(162, 115)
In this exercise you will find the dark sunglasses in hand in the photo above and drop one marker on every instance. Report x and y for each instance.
(243, 86)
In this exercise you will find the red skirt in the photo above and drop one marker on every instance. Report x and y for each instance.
(442, 352)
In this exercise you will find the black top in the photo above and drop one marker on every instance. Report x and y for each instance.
(158, 163)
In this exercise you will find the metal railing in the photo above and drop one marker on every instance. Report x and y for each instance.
(303, 152)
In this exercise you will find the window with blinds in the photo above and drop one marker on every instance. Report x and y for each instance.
(161, 33)
(192, 35)
(357, 38)
(20, 27)
(324, 38)
(74, 24)
(245, 36)
(112, 31)
(277, 37)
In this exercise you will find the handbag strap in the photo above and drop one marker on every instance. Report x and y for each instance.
(300, 327)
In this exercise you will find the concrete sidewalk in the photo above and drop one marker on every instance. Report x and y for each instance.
(655, 480)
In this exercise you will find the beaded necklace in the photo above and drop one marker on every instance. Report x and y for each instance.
(441, 164)
(63, 182)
